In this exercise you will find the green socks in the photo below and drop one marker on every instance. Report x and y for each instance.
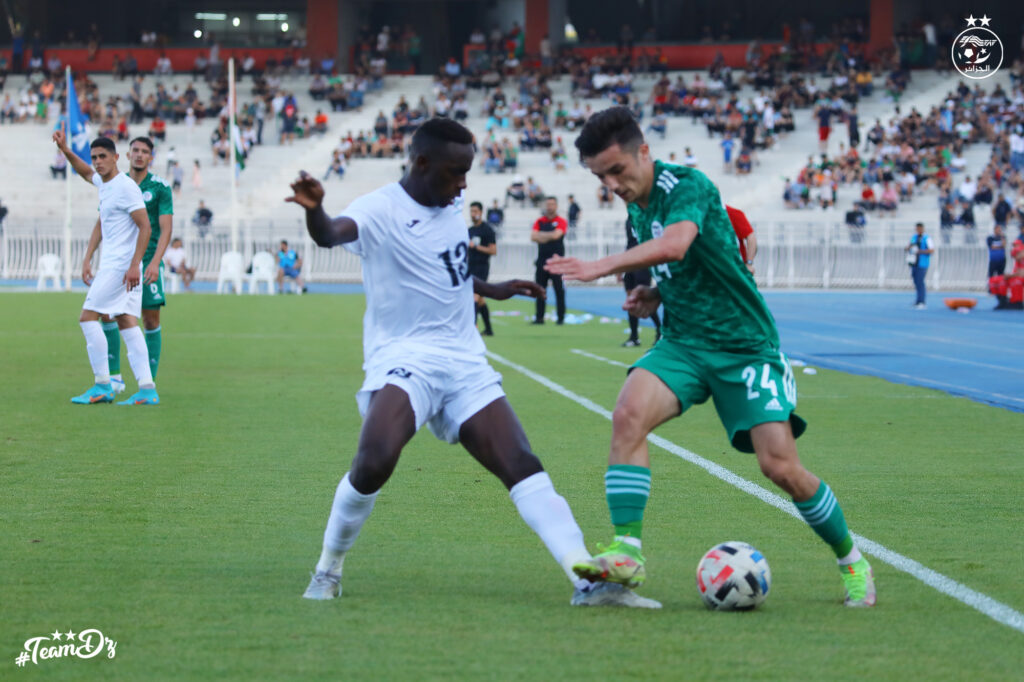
(825, 517)
(627, 488)
(113, 346)
(153, 345)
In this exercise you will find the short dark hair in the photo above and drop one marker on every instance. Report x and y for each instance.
(144, 140)
(104, 143)
(615, 125)
(477, 204)
(554, 199)
(285, 242)
(437, 132)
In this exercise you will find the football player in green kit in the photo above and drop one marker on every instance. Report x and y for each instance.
(160, 206)
(718, 341)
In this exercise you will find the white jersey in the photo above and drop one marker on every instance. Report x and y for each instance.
(415, 274)
(118, 198)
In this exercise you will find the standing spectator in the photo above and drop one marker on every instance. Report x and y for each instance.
(482, 246)
(727, 144)
(996, 251)
(59, 166)
(289, 264)
(919, 253)
(203, 218)
(1002, 210)
(604, 197)
(852, 129)
(745, 235)
(549, 234)
(824, 115)
(574, 212)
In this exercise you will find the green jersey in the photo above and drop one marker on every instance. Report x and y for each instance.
(710, 299)
(156, 192)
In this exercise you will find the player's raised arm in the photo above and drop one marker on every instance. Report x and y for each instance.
(671, 246)
(501, 291)
(81, 167)
(325, 231)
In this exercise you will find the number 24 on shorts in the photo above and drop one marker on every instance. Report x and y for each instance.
(750, 373)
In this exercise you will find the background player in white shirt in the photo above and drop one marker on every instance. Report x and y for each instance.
(115, 289)
(423, 358)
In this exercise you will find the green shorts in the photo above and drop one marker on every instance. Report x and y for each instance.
(153, 293)
(749, 388)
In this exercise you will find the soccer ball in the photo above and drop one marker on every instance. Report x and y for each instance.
(733, 576)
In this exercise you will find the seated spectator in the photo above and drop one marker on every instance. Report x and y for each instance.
(59, 166)
(533, 192)
(380, 125)
(200, 65)
(163, 66)
(516, 191)
(202, 219)
(175, 258)
(289, 265)
(868, 200)
(510, 155)
(495, 215)
(320, 122)
(492, 158)
(744, 163)
(659, 123)
(889, 201)
(318, 88)
(605, 198)
(337, 165)
(158, 128)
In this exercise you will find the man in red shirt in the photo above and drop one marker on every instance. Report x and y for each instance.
(549, 234)
(745, 235)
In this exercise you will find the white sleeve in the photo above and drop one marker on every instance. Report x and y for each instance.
(131, 197)
(97, 180)
(366, 211)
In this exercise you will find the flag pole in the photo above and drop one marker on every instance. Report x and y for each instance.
(68, 171)
(233, 154)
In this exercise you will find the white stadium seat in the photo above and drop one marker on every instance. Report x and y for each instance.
(264, 269)
(49, 269)
(231, 268)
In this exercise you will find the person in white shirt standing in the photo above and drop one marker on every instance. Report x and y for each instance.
(115, 290)
(423, 358)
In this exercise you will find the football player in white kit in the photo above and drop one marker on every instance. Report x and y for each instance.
(115, 289)
(424, 359)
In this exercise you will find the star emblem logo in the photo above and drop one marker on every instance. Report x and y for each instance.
(984, 20)
(70, 636)
(970, 20)
(56, 635)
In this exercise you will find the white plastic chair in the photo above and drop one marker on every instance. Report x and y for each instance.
(264, 269)
(172, 281)
(49, 269)
(231, 269)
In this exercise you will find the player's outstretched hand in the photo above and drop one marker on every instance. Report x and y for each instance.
(516, 287)
(87, 273)
(642, 301)
(132, 277)
(573, 268)
(308, 192)
(152, 272)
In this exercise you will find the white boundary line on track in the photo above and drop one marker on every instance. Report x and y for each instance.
(997, 611)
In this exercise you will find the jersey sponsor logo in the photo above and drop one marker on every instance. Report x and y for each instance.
(400, 372)
(666, 181)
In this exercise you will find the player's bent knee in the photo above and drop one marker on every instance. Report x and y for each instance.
(628, 423)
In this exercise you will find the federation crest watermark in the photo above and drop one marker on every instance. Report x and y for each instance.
(85, 644)
(977, 52)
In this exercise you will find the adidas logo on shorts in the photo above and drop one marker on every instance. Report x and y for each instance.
(773, 405)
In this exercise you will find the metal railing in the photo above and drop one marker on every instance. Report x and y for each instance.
(790, 254)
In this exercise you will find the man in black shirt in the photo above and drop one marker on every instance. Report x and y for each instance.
(549, 234)
(482, 245)
(495, 215)
(632, 280)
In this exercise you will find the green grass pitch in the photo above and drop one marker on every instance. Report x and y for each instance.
(187, 532)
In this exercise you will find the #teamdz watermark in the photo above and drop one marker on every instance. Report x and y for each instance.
(85, 644)
(977, 51)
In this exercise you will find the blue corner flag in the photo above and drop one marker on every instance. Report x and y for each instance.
(77, 133)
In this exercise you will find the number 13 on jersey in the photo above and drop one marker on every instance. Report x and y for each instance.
(457, 264)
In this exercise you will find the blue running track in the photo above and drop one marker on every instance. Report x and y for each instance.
(979, 355)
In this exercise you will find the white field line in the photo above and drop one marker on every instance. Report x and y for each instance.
(997, 611)
(585, 354)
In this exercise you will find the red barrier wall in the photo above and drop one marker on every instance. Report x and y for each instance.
(182, 58)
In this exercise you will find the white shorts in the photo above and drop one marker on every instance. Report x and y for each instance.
(444, 391)
(107, 295)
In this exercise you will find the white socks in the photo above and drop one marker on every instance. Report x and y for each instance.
(96, 347)
(853, 557)
(548, 514)
(138, 355)
(348, 514)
